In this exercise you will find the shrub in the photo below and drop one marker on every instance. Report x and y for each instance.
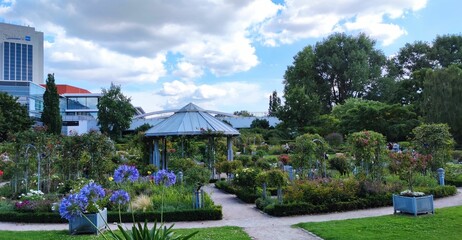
(181, 164)
(284, 158)
(340, 163)
(334, 139)
(457, 156)
(245, 159)
(275, 150)
(246, 178)
(197, 175)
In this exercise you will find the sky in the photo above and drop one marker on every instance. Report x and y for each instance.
(222, 55)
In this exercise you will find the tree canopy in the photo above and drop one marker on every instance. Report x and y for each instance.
(115, 112)
(51, 116)
(443, 97)
(13, 116)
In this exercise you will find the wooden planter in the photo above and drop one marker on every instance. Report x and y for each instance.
(81, 225)
(413, 205)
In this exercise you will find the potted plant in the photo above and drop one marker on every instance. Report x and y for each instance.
(407, 165)
(83, 211)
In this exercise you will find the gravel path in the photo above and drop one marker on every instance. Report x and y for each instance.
(258, 225)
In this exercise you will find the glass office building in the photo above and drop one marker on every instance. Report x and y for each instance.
(29, 94)
(21, 66)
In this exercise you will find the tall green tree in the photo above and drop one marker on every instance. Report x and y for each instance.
(13, 116)
(447, 50)
(347, 64)
(325, 75)
(115, 112)
(410, 58)
(442, 98)
(274, 104)
(51, 117)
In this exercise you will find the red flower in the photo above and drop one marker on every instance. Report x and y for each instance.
(1, 173)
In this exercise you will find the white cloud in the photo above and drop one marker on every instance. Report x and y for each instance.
(186, 70)
(227, 96)
(317, 18)
(208, 35)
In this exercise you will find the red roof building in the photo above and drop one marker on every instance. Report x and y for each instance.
(63, 89)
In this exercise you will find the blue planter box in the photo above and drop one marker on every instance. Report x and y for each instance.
(81, 225)
(413, 205)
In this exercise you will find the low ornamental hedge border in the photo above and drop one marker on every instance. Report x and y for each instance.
(246, 195)
(373, 201)
(202, 214)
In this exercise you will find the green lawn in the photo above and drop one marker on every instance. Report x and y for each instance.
(446, 223)
(217, 233)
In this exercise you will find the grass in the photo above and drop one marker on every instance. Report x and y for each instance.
(444, 224)
(216, 233)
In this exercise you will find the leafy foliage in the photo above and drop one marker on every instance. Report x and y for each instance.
(309, 149)
(434, 139)
(51, 116)
(367, 148)
(442, 98)
(393, 121)
(13, 116)
(114, 112)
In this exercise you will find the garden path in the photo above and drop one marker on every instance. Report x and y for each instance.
(257, 224)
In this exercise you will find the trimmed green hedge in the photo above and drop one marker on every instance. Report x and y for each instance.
(246, 195)
(371, 201)
(202, 214)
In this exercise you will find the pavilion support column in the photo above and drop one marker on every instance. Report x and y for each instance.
(212, 156)
(229, 142)
(164, 154)
(151, 152)
(155, 153)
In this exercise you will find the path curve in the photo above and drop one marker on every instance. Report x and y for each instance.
(257, 224)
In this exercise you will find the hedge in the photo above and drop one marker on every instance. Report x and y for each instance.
(371, 201)
(202, 214)
(246, 195)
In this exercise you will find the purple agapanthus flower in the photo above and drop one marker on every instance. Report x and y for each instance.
(120, 197)
(93, 192)
(165, 177)
(125, 172)
(72, 206)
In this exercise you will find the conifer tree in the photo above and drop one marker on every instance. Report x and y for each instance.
(51, 117)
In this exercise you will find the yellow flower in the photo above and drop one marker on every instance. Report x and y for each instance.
(111, 178)
(149, 172)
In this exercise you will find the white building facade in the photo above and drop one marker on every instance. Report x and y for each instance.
(22, 54)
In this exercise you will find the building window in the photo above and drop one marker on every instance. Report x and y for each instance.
(29, 62)
(12, 61)
(24, 62)
(18, 61)
(6, 61)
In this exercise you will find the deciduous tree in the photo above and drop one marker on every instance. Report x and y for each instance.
(13, 116)
(115, 112)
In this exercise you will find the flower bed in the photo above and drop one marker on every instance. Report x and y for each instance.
(325, 197)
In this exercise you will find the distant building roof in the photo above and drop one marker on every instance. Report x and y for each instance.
(63, 88)
(245, 122)
(190, 120)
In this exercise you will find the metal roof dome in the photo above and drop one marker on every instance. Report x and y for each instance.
(191, 120)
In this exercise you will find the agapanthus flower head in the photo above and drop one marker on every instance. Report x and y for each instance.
(126, 173)
(93, 192)
(164, 177)
(73, 206)
(120, 197)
